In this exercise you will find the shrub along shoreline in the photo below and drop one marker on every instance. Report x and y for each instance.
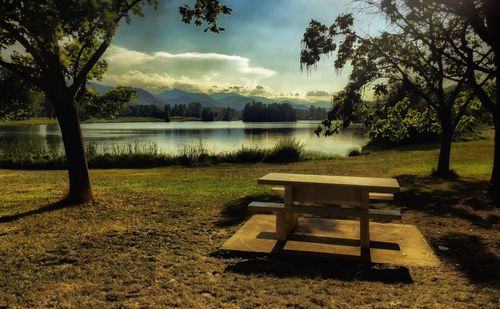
(148, 155)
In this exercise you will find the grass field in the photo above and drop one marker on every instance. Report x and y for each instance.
(31, 121)
(151, 239)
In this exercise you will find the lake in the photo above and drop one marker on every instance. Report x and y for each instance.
(217, 136)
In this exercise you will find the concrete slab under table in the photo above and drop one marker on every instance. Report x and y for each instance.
(398, 244)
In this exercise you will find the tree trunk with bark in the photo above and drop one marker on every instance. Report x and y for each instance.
(80, 190)
(494, 186)
(443, 167)
(447, 129)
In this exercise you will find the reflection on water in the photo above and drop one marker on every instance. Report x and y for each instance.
(173, 136)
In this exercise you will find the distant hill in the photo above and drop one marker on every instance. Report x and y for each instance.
(146, 98)
(223, 95)
(214, 100)
(236, 101)
(143, 97)
(99, 88)
(176, 96)
(264, 100)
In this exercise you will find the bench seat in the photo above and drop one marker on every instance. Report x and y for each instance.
(381, 214)
(372, 195)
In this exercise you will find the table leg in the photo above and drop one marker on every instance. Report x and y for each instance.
(364, 222)
(286, 221)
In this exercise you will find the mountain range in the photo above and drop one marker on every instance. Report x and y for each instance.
(213, 100)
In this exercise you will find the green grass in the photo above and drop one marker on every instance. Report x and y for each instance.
(152, 236)
(124, 119)
(31, 121)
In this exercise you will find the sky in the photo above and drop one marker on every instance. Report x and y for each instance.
(257, 54)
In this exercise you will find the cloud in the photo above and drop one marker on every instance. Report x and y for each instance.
(317, 93)
(259, 90)
(192, 70)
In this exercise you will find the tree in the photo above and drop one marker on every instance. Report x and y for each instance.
(109, 104)
(228, 114)
(274, 112)
(194, 109)
(413, 55)
(207, 114)
(63, 42)
(179, 110)
(15, 98)
(167, 111)
(480, 52)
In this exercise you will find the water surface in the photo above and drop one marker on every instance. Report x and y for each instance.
(174, 136)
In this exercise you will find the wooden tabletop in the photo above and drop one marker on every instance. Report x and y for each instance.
(372, 184)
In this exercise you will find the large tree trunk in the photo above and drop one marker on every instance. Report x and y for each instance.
(443, 167)
(80, 190)
(494, 187)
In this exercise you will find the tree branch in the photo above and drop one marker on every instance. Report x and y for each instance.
(462, 111)
(468, 9)
(16, 33)
(77, 81)
(82, 76)
(21, 71)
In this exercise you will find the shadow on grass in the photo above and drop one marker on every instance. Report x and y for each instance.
(472, 257)
(415, 146)
(47, 208)
(457, 199)
(313, 267)
(236, 211)
(460, 198)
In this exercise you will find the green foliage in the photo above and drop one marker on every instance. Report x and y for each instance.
(194, 109)
(207, 114)
(204, 11)
(229, 114)
(167, 110)
(247, 154)
(286, 150)
(313, 113)
(109, 104)
(400, 117)
(143, 111)
(411, 54)
(275, 112)
(17, 98)
(401, 123)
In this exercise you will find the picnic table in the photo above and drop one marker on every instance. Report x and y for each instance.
(328, 196)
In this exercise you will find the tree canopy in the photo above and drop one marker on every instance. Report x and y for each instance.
(16, 96)
(109, 104)
(274, 112)
(412, 53)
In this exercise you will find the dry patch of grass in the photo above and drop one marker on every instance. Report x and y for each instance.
(151, 239)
